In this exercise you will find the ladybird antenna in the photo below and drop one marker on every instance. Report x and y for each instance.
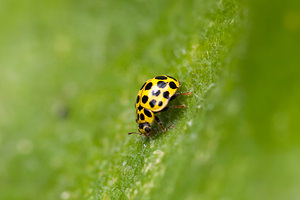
(134, 133)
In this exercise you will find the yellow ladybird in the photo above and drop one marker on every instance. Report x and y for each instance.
(153, 97)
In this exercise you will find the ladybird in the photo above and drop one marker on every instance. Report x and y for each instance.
(153, 97)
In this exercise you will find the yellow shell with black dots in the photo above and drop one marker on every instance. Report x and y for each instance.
(156, 93)
(153, 97)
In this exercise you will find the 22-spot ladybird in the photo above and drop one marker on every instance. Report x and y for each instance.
(153, 97)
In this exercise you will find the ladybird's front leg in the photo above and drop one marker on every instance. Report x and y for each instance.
(148, 135)
(160, 123)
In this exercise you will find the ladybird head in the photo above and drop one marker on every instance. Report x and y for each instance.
(144, 129)
(144, 120)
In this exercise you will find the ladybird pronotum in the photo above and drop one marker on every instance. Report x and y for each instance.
(153, 97)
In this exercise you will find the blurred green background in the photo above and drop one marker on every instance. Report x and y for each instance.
(70, 72)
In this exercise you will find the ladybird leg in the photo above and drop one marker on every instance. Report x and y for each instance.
(184, 93)
(173, 106)
(160, 123)
(180, 93)
(177, 106)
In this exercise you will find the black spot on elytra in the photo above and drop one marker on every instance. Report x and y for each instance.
(142, 116)
(137, 117)
(148, 86)
(166, 94)
(140, 108)
(145, 99)
(143, 86)
(152, 103)
(147, 113)
(172, 78)
(161, 84)
(172, 85)
(155, 92)
(147, 129)
(161, 77)
(138, 99)
(160, 103)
